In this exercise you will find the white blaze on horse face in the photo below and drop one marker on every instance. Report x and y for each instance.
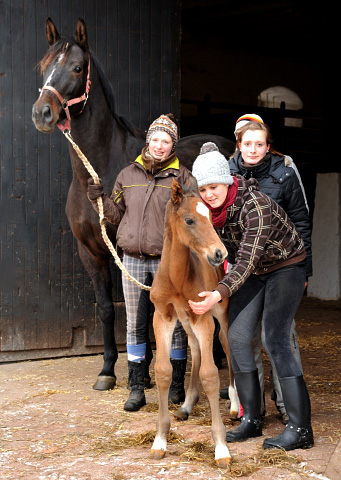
(203, 210)
(49, 78)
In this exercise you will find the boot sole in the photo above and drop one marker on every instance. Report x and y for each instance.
(135, 408)
(295, 446)
(243, 439)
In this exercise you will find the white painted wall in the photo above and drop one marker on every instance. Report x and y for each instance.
(325, 283)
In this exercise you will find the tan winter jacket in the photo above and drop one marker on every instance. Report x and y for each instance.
(137, 204)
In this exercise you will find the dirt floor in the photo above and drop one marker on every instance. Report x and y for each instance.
(55, 426)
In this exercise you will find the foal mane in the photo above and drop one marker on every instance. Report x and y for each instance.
(64, 45)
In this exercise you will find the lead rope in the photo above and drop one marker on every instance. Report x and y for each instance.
(102, 219)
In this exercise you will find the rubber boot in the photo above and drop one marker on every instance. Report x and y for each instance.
(248, 389)
(177, 389)
(298, 432)
(137, 397)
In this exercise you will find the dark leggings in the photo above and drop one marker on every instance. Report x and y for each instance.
(275, 297)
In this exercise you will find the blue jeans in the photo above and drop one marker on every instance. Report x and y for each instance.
(275, 297)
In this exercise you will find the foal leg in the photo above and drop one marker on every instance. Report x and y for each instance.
(204, 331)
(225, 344)
(192, 393)
(163, 330)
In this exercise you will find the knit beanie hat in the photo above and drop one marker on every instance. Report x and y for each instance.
(165, 123)
(244, 119)
(211, 166)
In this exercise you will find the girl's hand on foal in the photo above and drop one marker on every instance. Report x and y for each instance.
(211, 298)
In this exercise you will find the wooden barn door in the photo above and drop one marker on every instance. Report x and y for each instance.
(47, 305)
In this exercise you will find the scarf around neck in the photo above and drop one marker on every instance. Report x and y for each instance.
(219, 213)
(154, 166)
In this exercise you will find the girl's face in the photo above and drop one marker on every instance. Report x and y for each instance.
(214, 194)
(253, 146)
(160, 145)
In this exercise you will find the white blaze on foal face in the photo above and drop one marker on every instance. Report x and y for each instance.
(203, 210)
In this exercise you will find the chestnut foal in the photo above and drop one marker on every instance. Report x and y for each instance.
(191, 262)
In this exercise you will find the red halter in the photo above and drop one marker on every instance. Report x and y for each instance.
(68, 103)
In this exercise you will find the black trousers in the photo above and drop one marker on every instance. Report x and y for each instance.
(275, 297)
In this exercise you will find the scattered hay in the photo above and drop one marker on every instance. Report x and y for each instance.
(109, 445)
(199, 452)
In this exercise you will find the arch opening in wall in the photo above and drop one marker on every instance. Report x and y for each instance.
(274, 96)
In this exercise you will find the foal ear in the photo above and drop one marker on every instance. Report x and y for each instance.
(51, 32)
(176, 194)
(81, 33)
(192, 184)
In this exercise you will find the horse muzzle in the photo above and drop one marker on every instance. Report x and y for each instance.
(217, 258)
(44, 116)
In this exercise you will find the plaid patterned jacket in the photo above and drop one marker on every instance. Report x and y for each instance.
(259, 235)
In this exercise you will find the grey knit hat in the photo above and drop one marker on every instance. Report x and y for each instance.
(211, 166)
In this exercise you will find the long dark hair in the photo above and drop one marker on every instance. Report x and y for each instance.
(256, 126)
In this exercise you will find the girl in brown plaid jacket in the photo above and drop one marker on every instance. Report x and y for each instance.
(267, 281)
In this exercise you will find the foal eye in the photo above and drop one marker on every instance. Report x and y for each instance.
(77, 69)
(189, 221)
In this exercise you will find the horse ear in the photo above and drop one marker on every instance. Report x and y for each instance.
(81, 33)
(176, 194)
(52, 34)
(192, 184)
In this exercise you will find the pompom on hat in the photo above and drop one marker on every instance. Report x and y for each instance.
(165, 123)
(248, 117)
(211, 166)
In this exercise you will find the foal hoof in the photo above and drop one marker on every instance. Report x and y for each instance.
(157, 454)
(105, 382)
(224, 463)
(181, 414)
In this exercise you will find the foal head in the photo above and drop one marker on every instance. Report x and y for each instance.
(64, 68)
(188, 218)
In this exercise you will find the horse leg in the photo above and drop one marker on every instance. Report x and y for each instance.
(232, 391)
(222, 317)
(163, 330)
(204, 331)
(99, 271)
(192, 393)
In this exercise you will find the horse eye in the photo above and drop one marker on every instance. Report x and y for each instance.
(189, 221)
(77, 69)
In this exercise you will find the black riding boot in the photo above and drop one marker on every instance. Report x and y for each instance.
(137, 397)
(298, 432)
(177, 388)
(248, 389)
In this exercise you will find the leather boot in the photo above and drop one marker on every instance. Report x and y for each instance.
(177, 389)
(248, 389)
(298, 432)
(137, 397)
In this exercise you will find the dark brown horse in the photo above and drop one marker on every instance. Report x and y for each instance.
(191, 262)
(76, 90)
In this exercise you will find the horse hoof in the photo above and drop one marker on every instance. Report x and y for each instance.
(104, 382)
(157, 454)
(224, 462)
(234, 414)
(181, 414)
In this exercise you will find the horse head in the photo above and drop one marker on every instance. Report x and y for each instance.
(189, 219)
(65, 69)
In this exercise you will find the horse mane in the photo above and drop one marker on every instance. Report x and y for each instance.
(63, 45)
(110, 98)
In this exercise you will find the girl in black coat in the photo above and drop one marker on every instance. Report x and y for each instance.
(278, 178)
